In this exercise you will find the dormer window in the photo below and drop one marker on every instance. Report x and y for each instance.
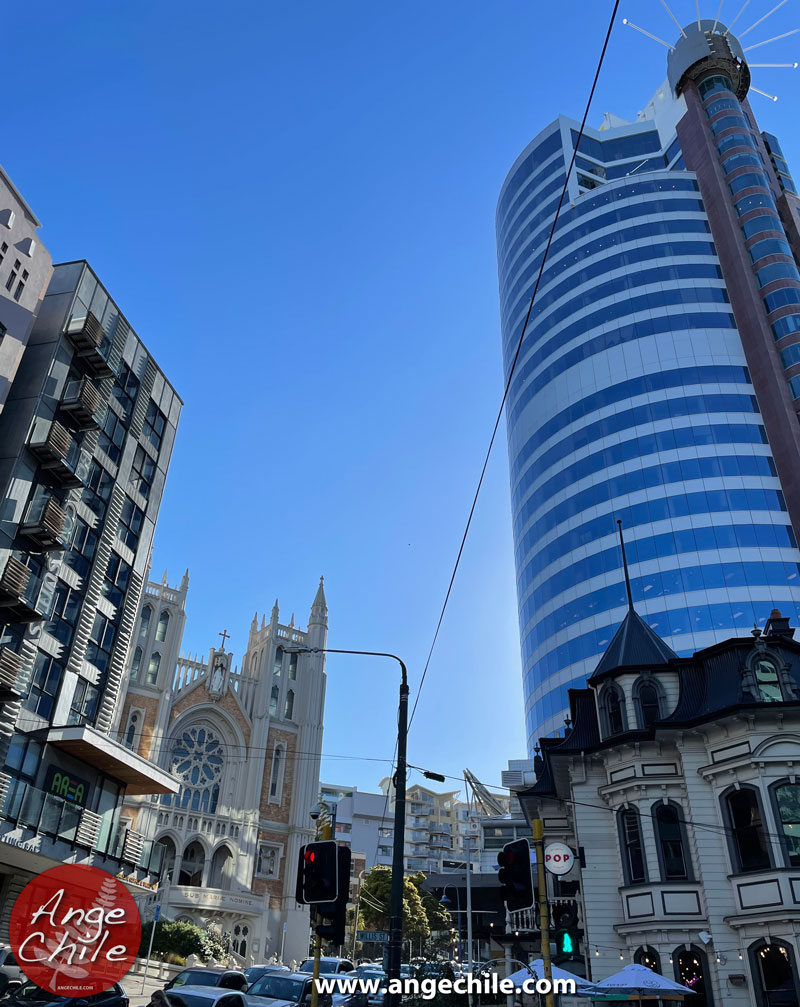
(767, 680)
(612, 708)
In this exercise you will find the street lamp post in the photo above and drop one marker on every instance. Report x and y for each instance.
(444, 901)
(398, 850)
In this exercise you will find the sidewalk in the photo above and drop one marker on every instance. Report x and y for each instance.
(132, 984)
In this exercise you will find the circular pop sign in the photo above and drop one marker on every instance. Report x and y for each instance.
(558, 858)
(75, 930)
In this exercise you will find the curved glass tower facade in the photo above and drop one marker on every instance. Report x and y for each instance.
(634, 399)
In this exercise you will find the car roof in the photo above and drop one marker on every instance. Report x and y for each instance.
(208, 991)
(216, 969)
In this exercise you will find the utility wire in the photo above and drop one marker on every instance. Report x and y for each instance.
(516, 358)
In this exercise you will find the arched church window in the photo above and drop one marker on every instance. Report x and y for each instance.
(278, 665)
(273, 701)
(162, 627)
(198, 758)
(767, 680)
(136, 664)
(152, 670)
(214, 799)
(192, 864)
(293, 666)
(130, 735)
(276, 776)
(144, 622)
(239, 939)
(289, 705)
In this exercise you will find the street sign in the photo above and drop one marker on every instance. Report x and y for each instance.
(558, 858)
(157, 914)
(373, 936)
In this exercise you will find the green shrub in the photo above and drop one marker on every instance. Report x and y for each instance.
(180, 940)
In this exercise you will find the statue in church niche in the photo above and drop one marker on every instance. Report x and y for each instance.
(216, 675)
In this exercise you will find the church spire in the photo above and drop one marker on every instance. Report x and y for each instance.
(625, 567)
(319, 608)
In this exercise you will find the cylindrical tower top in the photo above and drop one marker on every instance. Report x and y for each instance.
(701, 51)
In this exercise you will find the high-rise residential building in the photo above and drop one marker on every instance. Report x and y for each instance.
(364, 822)
(86, 436)
(658, 383)
(244, 744)
(25, 270)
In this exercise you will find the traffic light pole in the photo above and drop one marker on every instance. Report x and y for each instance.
(544, 915)
(395, 945)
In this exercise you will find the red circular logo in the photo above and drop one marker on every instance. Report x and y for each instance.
(75, 930)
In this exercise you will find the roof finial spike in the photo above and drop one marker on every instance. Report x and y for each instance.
(625, 567)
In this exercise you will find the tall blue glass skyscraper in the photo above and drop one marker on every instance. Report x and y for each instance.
(654, 385)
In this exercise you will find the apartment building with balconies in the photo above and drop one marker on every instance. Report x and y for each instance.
(86, 436)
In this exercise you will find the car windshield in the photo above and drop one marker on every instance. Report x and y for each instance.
(199, 977)
(278, 987)
(30, 991)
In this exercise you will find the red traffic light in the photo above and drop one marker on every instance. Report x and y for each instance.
(309, 856)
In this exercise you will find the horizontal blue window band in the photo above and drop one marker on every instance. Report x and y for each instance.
(764, 222)
(777, 271)
(619, 147)
(770, 246)
(791, 355)
(685, 470)
(661, 509)
(782, 298)
(623, 334)
(607, 196)
(742, 616)
(661, 584)
(669, 622)
(509, 248)
(786, 326)
(545, 149)
(646, 384)
(635, 449)
(589, 228)
(662, 546)
(552, 163)
(629, 257)
(580, 304)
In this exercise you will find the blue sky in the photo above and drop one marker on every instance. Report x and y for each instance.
(293, 203)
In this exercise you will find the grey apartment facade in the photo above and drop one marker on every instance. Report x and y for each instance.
(86, 436)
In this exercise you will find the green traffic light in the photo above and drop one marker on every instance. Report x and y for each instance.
(567, 946)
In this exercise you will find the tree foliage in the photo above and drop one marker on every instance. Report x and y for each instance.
(374, 906)
(181, 939)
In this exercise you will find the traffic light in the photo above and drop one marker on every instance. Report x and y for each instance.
(565, 926)
(317, 873)
(514, 875)
(333, 914)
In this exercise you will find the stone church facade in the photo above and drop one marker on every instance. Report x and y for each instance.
(244, 742)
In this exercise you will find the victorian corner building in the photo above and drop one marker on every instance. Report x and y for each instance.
(87, 427)
(244, 744)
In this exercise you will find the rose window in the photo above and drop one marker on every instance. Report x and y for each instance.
(197, 758)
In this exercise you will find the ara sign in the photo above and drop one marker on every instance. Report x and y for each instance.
(558, 858)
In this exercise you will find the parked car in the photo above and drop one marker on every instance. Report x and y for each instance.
(257, 971)
(230, 979)
(328, 966)
(10, 973)
(29, 993)
(282, 989)
(370, 972)
(205, 996)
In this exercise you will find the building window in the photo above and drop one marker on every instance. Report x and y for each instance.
(112, 436)
(767, 680)
(125, 389)
(239, 937)
(273, 701)
(161, 628)
(130, 734)
(648, 957)
(786, 799)
(647, 698)
(115, 585)
(267, 861)
(276, 776)
(144, 623)
(277, 667)
(153, 426)
(774, 974)
(671, 842)
(612, 708)
(289, 712)
(153, 667)
(293, 667)
(130, 524)
(691, 970)
(136, 664)
(143, 470)
(101, 641)
(13, 274)
(749, 850)
(84, 703)
(630, 840)
(45, 683)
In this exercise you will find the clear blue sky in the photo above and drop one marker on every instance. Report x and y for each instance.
(294, 205)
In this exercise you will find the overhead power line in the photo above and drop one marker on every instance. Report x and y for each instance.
(516, 358)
